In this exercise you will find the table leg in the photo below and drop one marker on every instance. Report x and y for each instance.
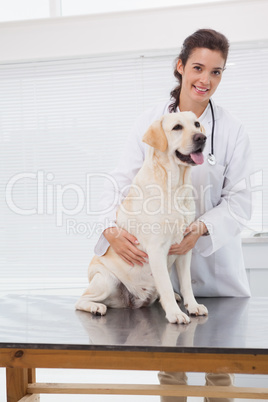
(17, 380)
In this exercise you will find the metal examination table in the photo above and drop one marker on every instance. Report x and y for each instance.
(46, 332)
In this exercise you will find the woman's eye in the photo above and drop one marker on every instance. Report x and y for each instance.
(197, 68)
(216, 72)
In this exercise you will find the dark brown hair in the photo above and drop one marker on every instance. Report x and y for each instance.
(206, 38)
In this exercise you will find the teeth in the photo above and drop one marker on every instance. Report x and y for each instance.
(201, 89)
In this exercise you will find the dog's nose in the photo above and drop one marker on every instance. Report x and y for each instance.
(199, 139)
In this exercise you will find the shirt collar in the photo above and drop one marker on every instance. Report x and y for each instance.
(206, 115)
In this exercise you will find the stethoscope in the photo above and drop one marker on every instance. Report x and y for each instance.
(211, 157)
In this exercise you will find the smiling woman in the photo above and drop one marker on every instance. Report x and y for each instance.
(222, 210)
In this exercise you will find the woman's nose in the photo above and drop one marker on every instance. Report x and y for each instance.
(205, 79)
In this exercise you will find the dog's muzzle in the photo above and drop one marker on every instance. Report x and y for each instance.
(195, 157)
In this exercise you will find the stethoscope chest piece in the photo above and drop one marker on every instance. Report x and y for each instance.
(211, 159)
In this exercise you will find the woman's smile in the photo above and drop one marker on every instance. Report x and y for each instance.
(200, 90)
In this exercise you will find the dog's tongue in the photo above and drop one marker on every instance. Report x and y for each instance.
(197, 157)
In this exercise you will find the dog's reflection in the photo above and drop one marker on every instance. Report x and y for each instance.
(140, 327)
(225, 326)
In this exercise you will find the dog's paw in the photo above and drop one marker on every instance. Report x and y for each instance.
(98, 309)
(197, 309)
(91, 307)
(178, 318)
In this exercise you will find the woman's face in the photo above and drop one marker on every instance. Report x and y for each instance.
(201, 75)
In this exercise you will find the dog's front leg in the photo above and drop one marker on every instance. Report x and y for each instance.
(158, 264)
(183, 264)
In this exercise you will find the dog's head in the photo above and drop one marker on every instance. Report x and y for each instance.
(180, 135)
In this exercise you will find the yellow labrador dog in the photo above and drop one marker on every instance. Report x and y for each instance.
(157, 210)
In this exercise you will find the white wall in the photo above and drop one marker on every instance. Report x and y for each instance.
(239, 20)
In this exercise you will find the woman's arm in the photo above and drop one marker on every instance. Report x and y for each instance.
(192, 233)
(124, 244)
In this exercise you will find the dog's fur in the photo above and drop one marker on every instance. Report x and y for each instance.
(157, 210)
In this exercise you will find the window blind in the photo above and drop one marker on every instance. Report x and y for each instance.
(63, 126)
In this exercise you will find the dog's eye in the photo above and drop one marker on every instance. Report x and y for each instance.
(178, 127)
(197, 124)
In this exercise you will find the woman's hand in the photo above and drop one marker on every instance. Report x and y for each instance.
(191, 235)
(124, 244)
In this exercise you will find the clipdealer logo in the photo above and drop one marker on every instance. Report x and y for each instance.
(48, 198)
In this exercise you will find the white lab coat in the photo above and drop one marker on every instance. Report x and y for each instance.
(222, 197)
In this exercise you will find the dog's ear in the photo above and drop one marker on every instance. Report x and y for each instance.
(156, 137)
(202, 129)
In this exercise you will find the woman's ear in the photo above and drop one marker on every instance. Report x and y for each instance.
(180, 67)
(155, 136)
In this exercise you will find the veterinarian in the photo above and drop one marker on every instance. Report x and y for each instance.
(221, 185)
